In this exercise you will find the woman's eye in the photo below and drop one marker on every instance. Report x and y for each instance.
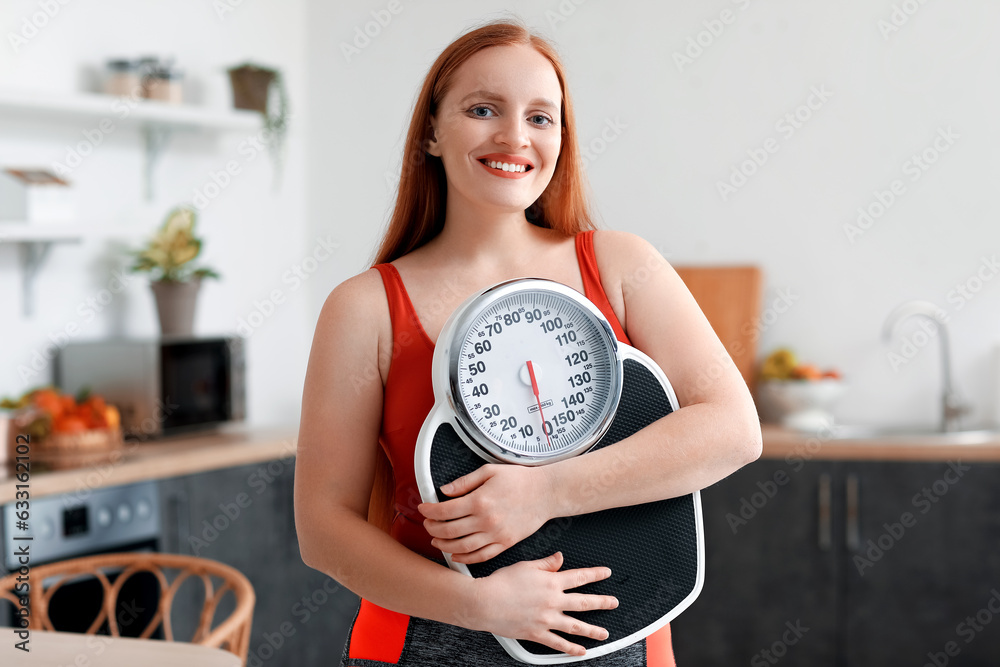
(537, 119)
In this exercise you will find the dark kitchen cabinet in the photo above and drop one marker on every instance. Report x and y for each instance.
(923, 566)
(770, 584)
(884, 562)
(244, 516)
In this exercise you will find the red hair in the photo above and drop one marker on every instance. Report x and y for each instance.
(419, 212)
(418, 215)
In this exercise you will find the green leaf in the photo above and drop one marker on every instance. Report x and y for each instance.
(206, 273)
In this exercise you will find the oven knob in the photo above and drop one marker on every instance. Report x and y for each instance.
(104, 517)
(143, 509)
(48, 528)
(124, 513)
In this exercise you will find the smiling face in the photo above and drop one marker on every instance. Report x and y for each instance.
(498, 131)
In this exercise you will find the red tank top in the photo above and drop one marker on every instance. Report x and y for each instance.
(409, 396)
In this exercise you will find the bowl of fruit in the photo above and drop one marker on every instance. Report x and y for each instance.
(65, 431)
(798, 395)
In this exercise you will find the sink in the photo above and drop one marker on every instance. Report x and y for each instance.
(910, 434)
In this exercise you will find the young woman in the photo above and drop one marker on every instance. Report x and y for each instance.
(492, 188)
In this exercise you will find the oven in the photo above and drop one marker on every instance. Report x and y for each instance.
(113, 519)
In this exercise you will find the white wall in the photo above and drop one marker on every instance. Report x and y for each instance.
(252, 234)
(685, 127)
(682, 131)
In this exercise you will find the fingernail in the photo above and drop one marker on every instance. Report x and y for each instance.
(604, 634)
(616, 603)
(447, 487)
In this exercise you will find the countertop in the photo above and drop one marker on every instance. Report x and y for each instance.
(227, 447)
(781, 443)
(238, 445)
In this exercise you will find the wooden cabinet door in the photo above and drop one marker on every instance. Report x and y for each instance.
(771, 582)
(922, 568)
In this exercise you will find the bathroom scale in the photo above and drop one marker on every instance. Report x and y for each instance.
(529, 372)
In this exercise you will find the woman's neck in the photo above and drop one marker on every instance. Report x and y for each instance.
(489, 241)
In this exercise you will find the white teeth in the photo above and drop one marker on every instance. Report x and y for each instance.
(504, 166)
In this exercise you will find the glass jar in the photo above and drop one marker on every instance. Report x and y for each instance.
(122, 78)
(164, 84)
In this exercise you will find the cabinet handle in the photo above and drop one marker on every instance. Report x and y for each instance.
(853, 527)
(182, 527)
(824, 521)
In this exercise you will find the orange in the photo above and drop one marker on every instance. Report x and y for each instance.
(66, 424)
(48, 401)
(112, 417)
(806, 372)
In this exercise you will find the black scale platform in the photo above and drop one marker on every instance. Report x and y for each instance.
(652, 549)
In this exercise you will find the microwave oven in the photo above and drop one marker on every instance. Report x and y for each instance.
(161, 386)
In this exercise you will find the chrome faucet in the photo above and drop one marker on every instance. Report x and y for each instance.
(951, 407)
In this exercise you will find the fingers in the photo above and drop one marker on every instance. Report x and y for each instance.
(446, 511)
(464, 545)
(466, 483)
(573, 626)
(553, 640)
(479, 555)
(551, 563)
(451, 530)
(582, 602)
(584, 575)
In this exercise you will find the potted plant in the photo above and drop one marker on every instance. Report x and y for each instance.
(175, 281)
(263, 89)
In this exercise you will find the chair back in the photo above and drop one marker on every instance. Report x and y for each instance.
(170, 570)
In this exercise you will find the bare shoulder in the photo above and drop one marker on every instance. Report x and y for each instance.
(355, 315)
(625, 261)
(355, 300)
(622, 249)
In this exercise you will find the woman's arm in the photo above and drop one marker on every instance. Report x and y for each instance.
(714, 433)
(334, 468)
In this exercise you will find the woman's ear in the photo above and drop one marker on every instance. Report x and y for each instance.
(432, 145)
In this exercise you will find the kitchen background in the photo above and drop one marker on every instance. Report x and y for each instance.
(848, 149)
(668, 108)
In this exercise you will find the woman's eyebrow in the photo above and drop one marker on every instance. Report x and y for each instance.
(485, 94)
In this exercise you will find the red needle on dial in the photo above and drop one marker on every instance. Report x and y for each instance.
(534, 389)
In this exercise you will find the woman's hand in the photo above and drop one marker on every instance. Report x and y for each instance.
(527, 600)
(496, 507)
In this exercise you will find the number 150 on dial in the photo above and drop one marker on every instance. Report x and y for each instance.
(535, 372)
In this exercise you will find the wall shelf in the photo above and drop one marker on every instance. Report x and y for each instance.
(157, 121)
(35, 243)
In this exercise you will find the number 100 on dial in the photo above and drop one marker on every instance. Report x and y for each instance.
(535, 372)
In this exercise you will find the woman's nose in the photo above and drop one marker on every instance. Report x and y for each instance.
(512, 132)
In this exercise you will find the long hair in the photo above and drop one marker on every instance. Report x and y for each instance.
(419, 211)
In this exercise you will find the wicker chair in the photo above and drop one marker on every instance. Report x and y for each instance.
(232, 633)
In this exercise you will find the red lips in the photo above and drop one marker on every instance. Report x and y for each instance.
(509, 159)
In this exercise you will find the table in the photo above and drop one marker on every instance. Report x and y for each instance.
(68, 649)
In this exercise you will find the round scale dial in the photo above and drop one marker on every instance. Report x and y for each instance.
(535, 372)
